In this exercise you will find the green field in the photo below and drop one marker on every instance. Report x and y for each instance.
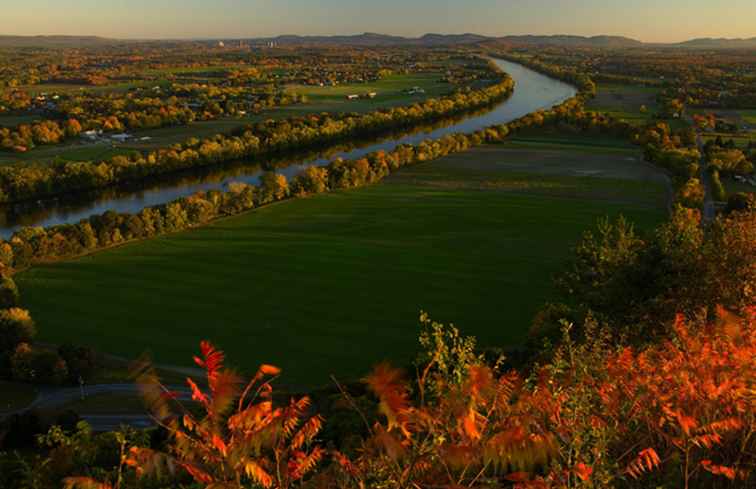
(334, 283)
(748, 115)
(390, 93)
(625, 102)
(733, 186)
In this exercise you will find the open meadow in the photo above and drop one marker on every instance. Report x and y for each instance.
(339, 279)
(633, 103)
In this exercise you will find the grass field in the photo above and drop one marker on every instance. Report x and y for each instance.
(625, 102)
(749, 116)
(733, 186)
(391, 93)
(334, 283)
(741, 140)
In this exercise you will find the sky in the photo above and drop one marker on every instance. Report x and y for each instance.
(647, 20)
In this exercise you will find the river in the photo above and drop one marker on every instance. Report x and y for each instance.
(533, 91)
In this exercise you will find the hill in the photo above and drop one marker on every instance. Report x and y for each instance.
(372, 39)
(433, 39)
(720, 43)
(567, 40)
(55, 41)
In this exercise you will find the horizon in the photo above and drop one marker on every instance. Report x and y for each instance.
(675, 21)
(357, 34)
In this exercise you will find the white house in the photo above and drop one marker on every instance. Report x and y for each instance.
(121, 138)
(91, 135)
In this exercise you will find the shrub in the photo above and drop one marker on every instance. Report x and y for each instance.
(38, 366)
(9, 295)
(16, 327)
(81, 361)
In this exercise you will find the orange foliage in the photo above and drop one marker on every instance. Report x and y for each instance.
(242, 436)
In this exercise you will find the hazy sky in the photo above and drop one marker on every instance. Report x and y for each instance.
(649, 20)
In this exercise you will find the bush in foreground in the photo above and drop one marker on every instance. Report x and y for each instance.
(678, 413)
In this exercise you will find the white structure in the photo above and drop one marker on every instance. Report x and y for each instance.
(121, 138)
(91, 135)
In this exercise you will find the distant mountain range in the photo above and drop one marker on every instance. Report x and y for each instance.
(708, 42)
(55, 41)
(372, 39)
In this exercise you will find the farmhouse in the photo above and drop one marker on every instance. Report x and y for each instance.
(353, 96)
(91, 135)
(121, 138)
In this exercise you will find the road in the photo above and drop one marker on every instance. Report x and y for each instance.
(52, 397)
(709, 209)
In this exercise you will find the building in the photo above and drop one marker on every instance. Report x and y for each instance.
(121, 138)
(91, 135)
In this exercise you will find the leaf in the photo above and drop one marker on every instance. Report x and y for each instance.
(518, 477)
(255, 472)
(220, 445)
(388, 385)
(84, 483)
(269, 370)
(470, 425)
(197, 474)
(646, 461)
(725, 471)
(583, 471)
(197, 394)
(211, 361)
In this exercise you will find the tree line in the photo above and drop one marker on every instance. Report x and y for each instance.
(252, 141)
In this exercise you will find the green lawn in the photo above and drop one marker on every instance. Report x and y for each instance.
(334, 283)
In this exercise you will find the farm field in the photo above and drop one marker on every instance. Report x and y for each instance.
(749, 116)
(742, 140)
(733, 186)
(625, 102)
(335, 283)
(391, 92)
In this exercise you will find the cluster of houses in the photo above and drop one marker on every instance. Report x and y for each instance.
(355, 96)
(96, 135)
(749, 180)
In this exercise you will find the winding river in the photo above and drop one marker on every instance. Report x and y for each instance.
(533, 91)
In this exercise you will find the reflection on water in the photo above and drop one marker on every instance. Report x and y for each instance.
(533, 91)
